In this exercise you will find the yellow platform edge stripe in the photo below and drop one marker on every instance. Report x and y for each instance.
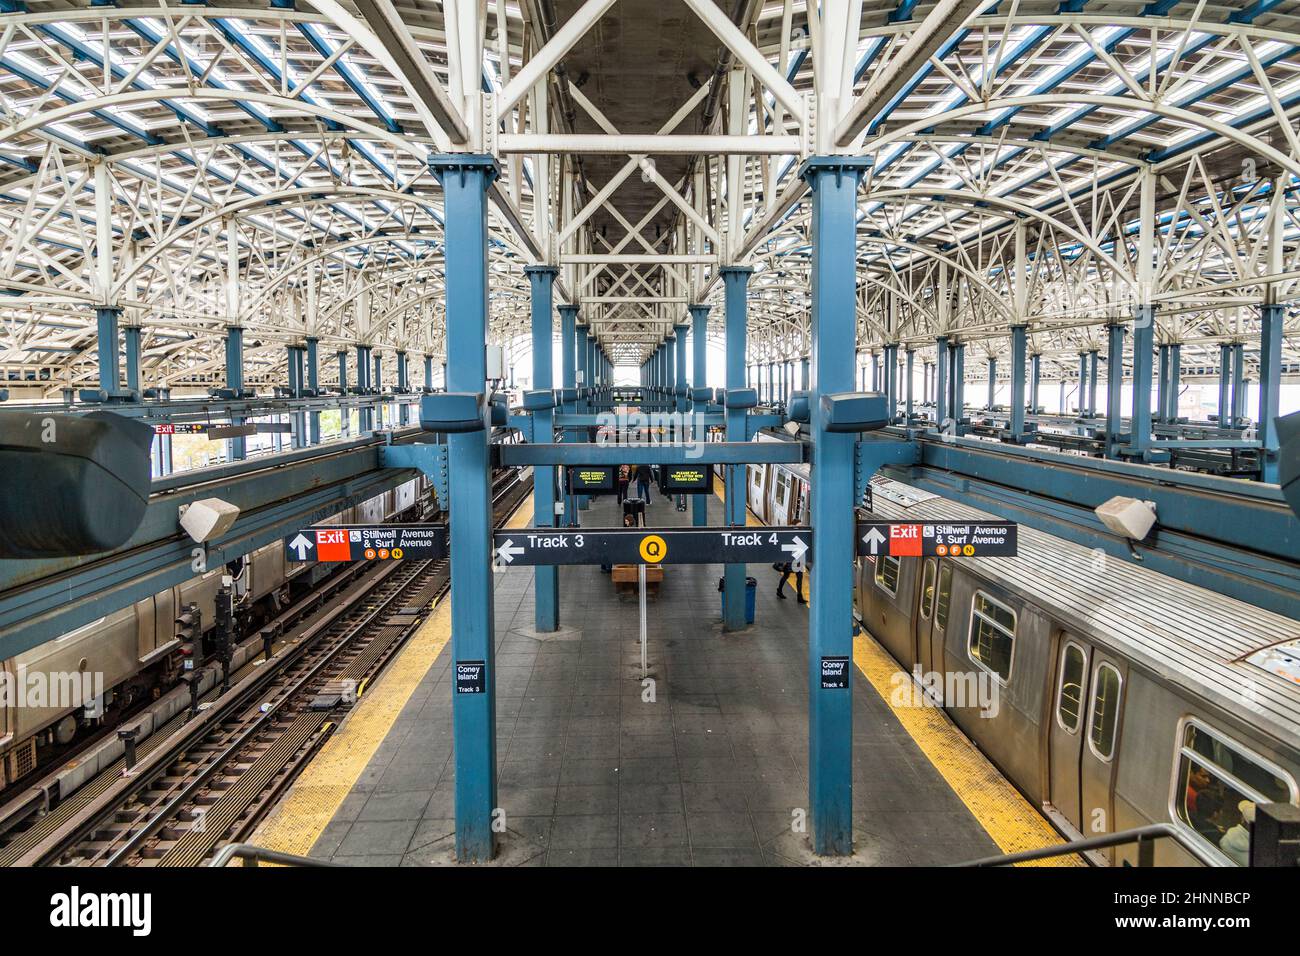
(298, 820)
(1005, 815)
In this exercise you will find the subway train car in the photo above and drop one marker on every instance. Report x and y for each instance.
(133, 652)
(1112, 696)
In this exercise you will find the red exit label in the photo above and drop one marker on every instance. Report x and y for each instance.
(905, 540)
(333, 545)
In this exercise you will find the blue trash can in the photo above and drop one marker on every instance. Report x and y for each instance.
(751, 592)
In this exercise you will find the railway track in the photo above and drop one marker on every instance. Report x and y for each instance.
(207, 778)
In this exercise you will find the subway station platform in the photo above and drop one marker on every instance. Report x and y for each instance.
(709, 769)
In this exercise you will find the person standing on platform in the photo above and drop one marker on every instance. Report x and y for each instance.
(643, 483)
(624, 479)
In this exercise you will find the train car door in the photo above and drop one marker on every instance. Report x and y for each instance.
(1100, 749)
(757, 487)
(924, 616)
(1067, 731)
(1085, 726)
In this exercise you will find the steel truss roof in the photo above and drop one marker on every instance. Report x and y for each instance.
(1046, 163)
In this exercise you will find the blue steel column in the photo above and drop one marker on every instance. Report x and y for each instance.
(891, 380)
(377, 386)
(1018, 352)
(465, 180)
(581, 355)
(1035, 369)
(345, 413)
(683, 391)
(700, 379)
(1144, 327)
(1162, 353)
(957, 387)
(131, 341)
(1114, 387)
(908, 386)
(366, 414)
(106, 319)
(568, 377)
(735, 280)
(1175, 370)
(235, 381)
(428, 371)
(293, 361)
(993, 382)
(940, 381)
(313, 383)
(1238, 411)
(1225, 364)
(546, 580)
(1093, 358)
(402, 408)
(833, 183)
(1271, 317)
(1083, 385)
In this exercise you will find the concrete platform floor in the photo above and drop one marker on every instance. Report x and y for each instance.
(706, 765)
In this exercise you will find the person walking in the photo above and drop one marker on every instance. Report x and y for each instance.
(786, 570)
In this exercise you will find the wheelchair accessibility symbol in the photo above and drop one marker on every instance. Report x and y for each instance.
(653, 549)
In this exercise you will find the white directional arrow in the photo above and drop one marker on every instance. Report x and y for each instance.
(797, 548)
(301, 544)
(874, 538)
(509, 551)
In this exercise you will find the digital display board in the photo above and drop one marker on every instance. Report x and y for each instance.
(687, 479)
(591, 479)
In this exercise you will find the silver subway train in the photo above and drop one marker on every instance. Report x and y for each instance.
(1112, 696)
(135, 653)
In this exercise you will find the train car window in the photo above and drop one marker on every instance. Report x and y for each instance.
(1216, 786)
(992, 635)
(887, 573)
(943, 597)
(1069, 699)
(927, 590)
(1104, 719)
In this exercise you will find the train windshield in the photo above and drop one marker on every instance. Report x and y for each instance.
(1218, 785)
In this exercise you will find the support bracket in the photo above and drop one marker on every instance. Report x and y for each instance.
(427, 457)
(870, 454)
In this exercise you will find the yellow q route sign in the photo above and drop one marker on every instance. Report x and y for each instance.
(653, 549)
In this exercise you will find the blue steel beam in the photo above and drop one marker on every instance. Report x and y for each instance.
(546, 581)
(833, 183)
(735, 282)
(465, 180)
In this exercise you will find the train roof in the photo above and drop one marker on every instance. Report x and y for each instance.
(1243, 658)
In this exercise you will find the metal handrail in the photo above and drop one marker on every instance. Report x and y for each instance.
(1145, 837)
(252, 855)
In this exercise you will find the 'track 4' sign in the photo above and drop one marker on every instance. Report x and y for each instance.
(902, 539)
(533, 546)
(367, 542)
